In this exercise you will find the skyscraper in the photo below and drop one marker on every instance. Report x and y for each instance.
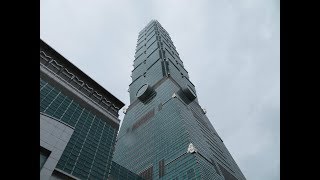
(165, 133)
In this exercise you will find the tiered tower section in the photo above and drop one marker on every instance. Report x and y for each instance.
(165, 133)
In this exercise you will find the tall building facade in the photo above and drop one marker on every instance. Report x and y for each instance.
(78, 122)
(165, 133)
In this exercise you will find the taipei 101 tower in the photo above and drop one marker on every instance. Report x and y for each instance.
(165, 133)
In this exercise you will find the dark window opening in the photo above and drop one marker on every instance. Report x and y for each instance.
(44, 154)
(215, 166)
(227, 175)
(160, 107)
(143, 119)
(147, 174)
(161, 168)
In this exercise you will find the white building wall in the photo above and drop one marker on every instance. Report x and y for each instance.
(54, 136)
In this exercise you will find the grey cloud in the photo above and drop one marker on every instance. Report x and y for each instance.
(230, 49)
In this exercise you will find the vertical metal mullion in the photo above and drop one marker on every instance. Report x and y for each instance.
(52, 100)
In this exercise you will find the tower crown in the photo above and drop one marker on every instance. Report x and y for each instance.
(156, 58)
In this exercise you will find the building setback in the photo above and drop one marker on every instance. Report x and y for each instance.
(78, 122)
(165, 133)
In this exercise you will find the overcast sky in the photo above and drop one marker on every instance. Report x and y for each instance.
(231, 49)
